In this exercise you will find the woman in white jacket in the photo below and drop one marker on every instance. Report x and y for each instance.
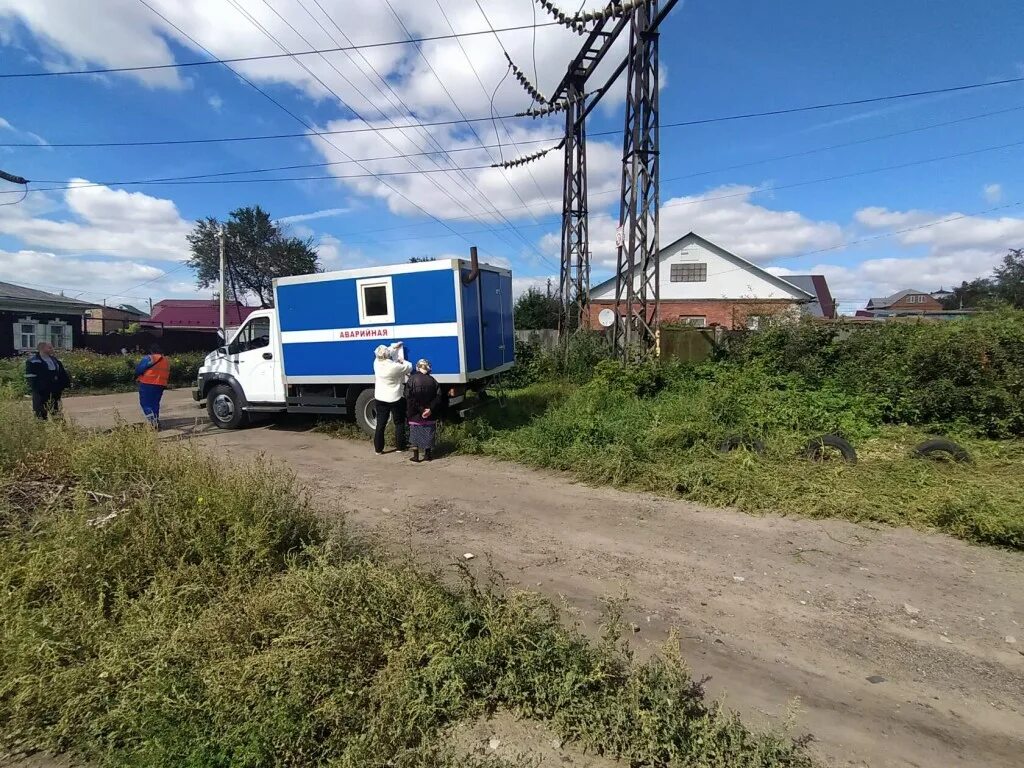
(389, 373)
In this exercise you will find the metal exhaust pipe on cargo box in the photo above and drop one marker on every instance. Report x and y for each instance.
(474, 267)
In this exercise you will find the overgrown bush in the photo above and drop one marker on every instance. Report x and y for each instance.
(573, 360)
(955, 375)
(160, 610)
(90, 371)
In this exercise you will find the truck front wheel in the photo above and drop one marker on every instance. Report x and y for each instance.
(224, 409)
(366, 412)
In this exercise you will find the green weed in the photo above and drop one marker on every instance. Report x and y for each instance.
(160, 610)
(91, 372)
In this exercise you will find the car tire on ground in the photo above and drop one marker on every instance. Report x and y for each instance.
(224, 407)
(938, 448)
(733, 442)
(816, 448)
(366, 415)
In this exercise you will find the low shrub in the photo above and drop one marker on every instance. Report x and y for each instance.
(160, 610)
(92, 372)
(956, 375)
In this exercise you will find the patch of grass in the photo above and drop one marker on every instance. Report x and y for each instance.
(604, 433)
(158, 609)
(93, 373)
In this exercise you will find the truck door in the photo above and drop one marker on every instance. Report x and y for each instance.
(254, 363)
(492, 316)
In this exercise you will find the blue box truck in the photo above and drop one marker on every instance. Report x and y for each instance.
(313, 351)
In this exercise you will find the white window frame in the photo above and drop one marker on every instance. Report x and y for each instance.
(689, 320)
(65, 333)
(375, 282)
(18, 333)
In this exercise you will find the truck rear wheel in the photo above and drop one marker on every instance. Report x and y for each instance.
(224, 408)
(366, 412)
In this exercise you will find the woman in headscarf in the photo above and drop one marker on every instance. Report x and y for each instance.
(424, 400)
(389, 372)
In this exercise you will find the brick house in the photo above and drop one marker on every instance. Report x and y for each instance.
(99, 320)
(702, 284)
(908, 301)
(28, 316)
(197, 314)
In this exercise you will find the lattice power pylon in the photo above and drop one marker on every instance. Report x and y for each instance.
(574, 277)
(637, 288)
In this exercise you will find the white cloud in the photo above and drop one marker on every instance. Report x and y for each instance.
(521, 285)
(993, 193)
(215, 101)
(521, 192)
(128, 225)
(726, 216)
(74, 35)
(960, 247)
(326, 213)
(88, 280)
(5, 124)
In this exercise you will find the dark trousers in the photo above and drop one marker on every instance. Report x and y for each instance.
(45, 403)
(384, 412)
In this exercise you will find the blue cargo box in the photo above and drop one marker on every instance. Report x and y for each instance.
(331, 322)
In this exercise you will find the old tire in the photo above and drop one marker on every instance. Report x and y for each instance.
(939, 448)
(365, 412)
(815, 450)
(733, 442)
(225, 407)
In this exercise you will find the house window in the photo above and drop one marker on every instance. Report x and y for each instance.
(25, 334)
(376, 301)
(696, 272)
(697, 321)
(59, 334)
(916, 298)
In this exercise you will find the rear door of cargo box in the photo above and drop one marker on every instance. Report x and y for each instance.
(496, 306)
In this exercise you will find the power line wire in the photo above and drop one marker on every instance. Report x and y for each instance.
(303, 122)
(432, 124)
(267, 57)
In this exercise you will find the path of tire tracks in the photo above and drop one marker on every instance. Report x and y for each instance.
(774, 610)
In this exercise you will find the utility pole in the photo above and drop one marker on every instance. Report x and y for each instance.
(223, 259)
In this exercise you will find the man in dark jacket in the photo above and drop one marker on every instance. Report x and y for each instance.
(47, 379)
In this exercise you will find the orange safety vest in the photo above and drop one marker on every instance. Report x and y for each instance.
(158, 373)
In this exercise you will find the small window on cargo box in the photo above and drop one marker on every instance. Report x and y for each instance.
(376, 304)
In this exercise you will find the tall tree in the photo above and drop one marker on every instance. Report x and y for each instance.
(970, 295)
(1009, 279)
(258, 250)
(535, 310)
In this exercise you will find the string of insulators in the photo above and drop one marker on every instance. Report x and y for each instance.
(576, 22)
(551, 109)
(562, 17)
(524, 81)
(528, 158)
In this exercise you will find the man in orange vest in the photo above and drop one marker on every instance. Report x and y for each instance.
(153, 374)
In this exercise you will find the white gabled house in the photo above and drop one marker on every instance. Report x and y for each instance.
(703, 284)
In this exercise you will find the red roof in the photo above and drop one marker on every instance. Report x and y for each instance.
(198, 313)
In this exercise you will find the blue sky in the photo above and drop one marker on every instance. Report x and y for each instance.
(126, 243)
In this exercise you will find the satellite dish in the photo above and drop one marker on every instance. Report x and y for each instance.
(606, 317)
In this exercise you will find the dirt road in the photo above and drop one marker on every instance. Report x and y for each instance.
(903, 649)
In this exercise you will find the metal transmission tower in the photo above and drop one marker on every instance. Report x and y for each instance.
(636, 299)
(570, 95)
(637, 288)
